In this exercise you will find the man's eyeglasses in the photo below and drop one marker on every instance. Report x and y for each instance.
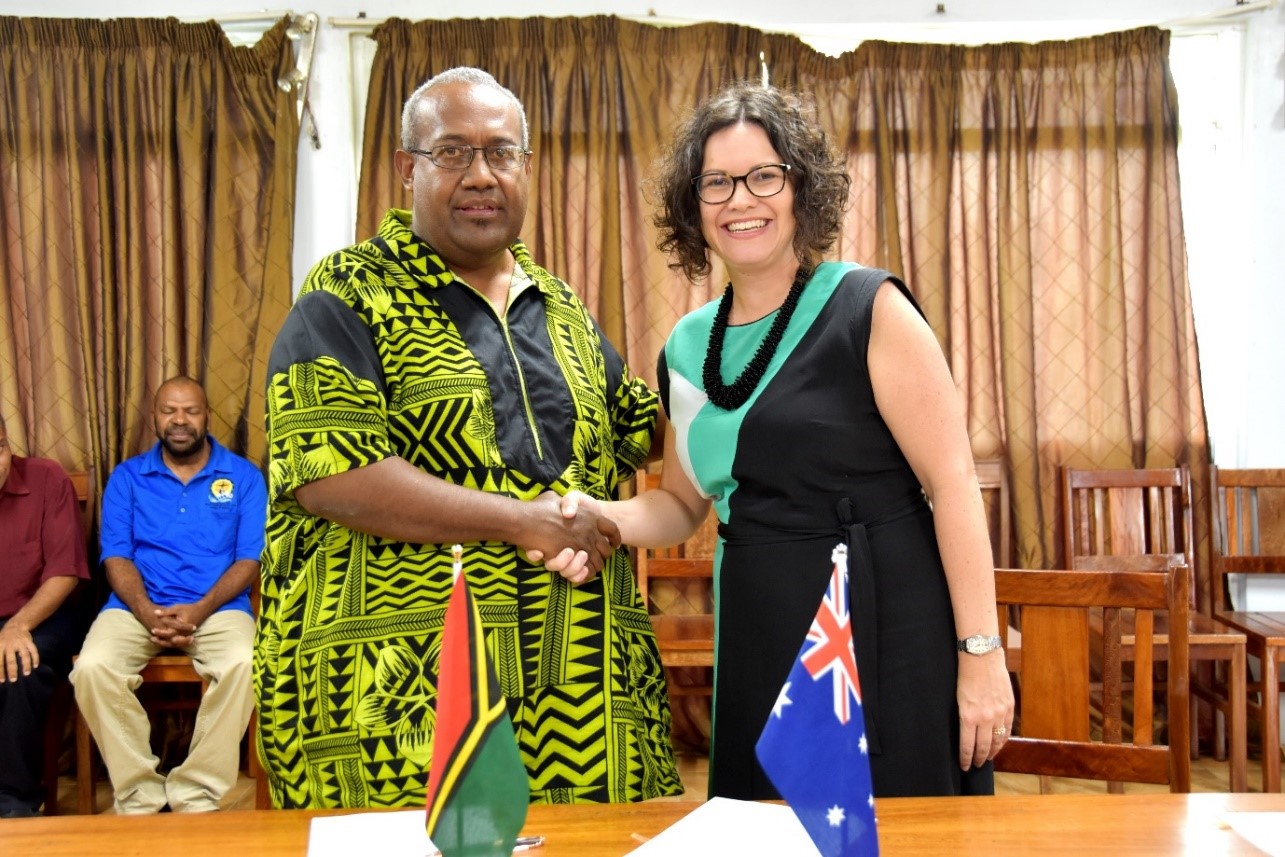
(461, 157)
(763, 181)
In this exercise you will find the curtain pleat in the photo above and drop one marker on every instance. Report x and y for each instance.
(146, 183)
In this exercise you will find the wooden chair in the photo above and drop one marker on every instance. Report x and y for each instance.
(61, 702)
(168, 667)
(1055, 714)
(992, 478)
(1245, 504)
(676, 585)
(1148, 511)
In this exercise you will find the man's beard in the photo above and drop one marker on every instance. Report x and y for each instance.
(185, 449)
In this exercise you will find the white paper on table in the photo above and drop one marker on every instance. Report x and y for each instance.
(397, 834)
(1260, 829)
(726, 826)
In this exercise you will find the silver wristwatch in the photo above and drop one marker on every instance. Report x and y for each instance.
(978, 645)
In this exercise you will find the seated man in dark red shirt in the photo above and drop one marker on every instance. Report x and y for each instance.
(42, 557)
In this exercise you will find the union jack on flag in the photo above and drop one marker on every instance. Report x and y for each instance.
(830, 638)
(814, 744)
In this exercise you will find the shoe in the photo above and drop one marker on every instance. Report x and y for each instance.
(19, 812)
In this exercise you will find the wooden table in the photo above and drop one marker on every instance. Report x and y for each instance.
(1153, 824)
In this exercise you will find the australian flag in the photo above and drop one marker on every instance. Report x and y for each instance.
(814, 744)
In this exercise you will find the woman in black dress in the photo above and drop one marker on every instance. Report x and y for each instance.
(812, 404)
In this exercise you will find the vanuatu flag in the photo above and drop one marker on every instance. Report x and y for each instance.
(477, 785)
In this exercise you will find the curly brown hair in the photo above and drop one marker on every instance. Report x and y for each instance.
(819, 174)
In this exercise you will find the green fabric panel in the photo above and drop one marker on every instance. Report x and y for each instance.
(487, 810)
(714, 446)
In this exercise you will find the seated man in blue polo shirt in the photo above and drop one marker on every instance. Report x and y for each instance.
(182, 531)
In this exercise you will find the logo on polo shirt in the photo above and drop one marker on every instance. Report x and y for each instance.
(221, 491)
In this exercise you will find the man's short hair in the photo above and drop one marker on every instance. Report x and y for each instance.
(459, 74)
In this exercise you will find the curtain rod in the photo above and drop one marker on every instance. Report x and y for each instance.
(1240, 8)
(364, 23)
(264, 15)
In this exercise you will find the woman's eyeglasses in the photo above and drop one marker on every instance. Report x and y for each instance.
(763, 181)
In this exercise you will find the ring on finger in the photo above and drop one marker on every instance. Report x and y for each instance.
(1000, 731)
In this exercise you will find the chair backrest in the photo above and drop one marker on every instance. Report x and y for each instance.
(80, 481)
(1127, 512)
(1147, 510)
(992, 478)
(1145, 585)
(1247, 511)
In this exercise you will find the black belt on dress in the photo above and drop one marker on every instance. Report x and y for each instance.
(861, 589)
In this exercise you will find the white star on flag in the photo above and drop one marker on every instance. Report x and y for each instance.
(782, 700)
(835, 816)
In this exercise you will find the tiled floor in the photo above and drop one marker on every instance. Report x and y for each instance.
(1208, 775)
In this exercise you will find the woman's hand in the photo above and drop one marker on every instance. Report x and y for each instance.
(985, 695)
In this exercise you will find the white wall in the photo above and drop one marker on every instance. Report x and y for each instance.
(1264, 221)
(1239, 290)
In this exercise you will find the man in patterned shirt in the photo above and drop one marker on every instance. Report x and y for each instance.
(434, 385)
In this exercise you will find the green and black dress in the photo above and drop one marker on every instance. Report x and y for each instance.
(805, 463)
(386, 353)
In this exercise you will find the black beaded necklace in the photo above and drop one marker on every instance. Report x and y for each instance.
(729, 397)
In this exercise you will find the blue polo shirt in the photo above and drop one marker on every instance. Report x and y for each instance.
(183, 537)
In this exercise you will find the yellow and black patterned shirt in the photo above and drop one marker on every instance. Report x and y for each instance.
(386, 353)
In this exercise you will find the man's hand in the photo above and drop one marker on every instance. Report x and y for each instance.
(574, 532)
(176, 625)
(572, 564)
(145, 613)
(18, 651)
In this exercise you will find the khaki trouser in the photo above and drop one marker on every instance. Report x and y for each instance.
(106, 676)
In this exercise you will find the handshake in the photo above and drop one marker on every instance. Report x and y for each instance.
(570, 534)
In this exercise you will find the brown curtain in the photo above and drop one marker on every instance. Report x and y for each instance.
(1027, 193)
(147, 188)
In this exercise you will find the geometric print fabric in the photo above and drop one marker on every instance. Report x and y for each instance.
(350, 624)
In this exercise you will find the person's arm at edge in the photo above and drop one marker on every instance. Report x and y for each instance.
(47, 598)
(65, 565)
(922, 408)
